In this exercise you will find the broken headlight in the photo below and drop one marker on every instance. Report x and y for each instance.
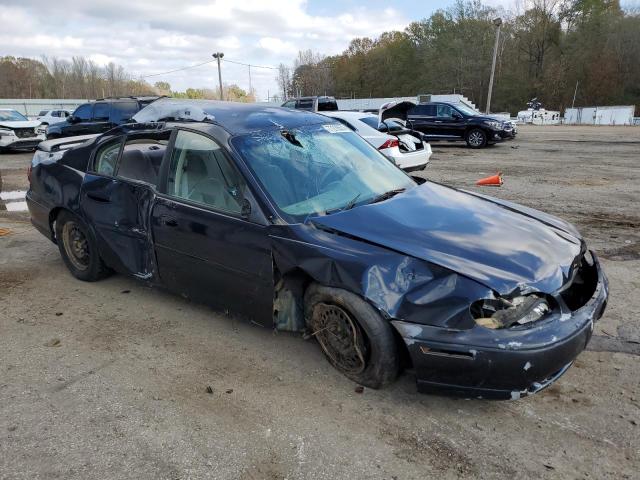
(497, 313)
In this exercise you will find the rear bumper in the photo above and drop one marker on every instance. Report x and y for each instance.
(39, 216)
(413, 161)
(516, 364)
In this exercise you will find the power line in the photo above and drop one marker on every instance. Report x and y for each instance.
(249, 64)
(178, 69)
(205, 63)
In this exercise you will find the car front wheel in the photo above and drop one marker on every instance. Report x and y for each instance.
(78, 248)
(476, 138)
(353, 336)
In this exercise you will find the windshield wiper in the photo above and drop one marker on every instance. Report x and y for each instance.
(348, 206)
(387, 195)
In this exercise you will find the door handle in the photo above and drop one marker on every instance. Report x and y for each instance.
(438, 121)
(99, 197)
(169, 221)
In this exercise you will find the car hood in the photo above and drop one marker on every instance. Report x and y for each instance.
(20, 124)
(395, 110)
(506, 249)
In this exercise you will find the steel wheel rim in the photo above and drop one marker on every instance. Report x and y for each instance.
(475, 139)
(340, 337)
(76, 245)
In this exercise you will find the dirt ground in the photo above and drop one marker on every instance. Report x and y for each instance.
(109, 379)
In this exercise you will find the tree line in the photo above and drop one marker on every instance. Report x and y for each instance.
(550, 49)
(82, 78)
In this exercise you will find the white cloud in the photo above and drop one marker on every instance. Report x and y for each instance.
(101, 59)
(277, 46)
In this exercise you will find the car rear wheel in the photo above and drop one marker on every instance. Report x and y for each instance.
(78, 248)
(353, 336)
(476, 138)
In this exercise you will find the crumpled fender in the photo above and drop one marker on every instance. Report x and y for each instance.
(399, 286)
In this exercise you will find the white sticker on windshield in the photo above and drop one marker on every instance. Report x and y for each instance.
(335, 128)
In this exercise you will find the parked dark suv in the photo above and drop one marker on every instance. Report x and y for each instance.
(99, 116)
(312, 104)
(455, 121)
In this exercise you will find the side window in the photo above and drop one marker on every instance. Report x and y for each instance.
(200, 172)
(445, 111)
(423, 111)
(84, 112)
(101, 112)
(123, 111)
(107, 157)
(290, 104)
(142, 156)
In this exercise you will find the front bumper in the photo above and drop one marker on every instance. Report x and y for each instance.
(508, 134)
(12, 141)
(501, 364)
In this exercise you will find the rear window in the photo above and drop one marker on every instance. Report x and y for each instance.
(327, 105)
(306, 104)
(371, 121)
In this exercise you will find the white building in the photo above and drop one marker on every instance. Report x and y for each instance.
(614, 115)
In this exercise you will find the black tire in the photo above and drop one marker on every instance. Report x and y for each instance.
(476, 138)
(379, 361)
(78, 248)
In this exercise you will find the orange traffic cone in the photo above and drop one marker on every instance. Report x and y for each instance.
(492, 181)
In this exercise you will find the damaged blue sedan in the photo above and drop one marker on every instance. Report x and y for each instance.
(292, 220)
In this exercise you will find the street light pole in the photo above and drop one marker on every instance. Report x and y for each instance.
(218, 56)
(497, 22)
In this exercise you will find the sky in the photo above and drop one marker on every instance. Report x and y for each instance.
(153, 36)
(148, 37)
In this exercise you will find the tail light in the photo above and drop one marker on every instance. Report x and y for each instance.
(29, 174)
(389, 144)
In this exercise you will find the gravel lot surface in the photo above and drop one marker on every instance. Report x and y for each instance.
(109, 379)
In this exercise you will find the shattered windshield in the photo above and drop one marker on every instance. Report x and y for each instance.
(318, 169)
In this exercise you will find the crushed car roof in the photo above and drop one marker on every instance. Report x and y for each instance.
(235, 117)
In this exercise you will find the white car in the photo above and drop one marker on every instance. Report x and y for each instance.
(50, 117)
(403, 146)
(17, 131)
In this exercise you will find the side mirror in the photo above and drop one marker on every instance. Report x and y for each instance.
(72, 119)
(245, 210)
(456, 116)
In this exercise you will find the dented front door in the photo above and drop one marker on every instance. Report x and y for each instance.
(118, 210)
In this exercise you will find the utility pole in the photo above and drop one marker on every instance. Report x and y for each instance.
(218, 56)
(250, 89)
(574, 94)
(497, 22)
